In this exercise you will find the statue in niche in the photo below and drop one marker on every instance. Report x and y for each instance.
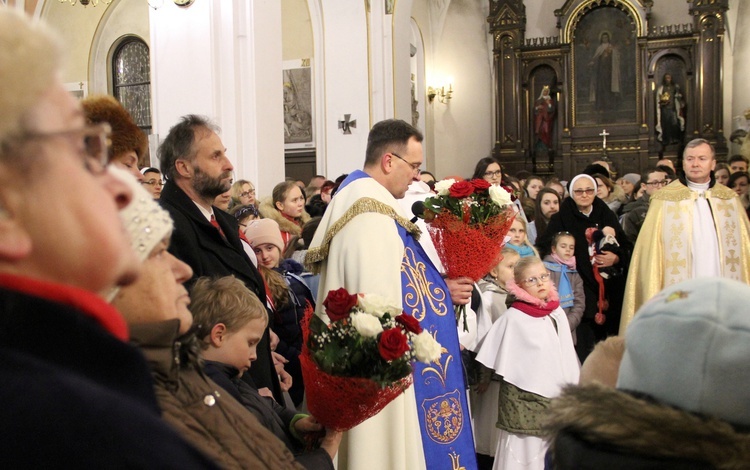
(604, 91)
(544, 120)
(670, 111)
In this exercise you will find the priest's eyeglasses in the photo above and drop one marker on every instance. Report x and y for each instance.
(535, 281)
(414, 166)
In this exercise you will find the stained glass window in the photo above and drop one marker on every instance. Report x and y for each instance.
(131, 80)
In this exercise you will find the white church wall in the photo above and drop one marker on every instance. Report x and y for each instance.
(463, 126)
(215, 58)
(347, 86)
(296, 30)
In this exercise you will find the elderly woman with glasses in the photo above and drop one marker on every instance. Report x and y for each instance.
(582, 211)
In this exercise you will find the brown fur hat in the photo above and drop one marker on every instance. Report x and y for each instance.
(126, 135)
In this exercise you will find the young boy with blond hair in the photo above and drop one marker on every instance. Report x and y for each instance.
(231, 321)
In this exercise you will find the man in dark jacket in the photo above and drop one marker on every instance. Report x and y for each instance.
(634, 213)
(74, 394)
(197, 169)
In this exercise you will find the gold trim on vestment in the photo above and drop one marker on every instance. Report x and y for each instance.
(315, 256)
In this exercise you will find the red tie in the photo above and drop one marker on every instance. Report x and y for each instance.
(215, 223)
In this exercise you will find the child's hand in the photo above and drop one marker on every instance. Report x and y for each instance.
(331, 442)
(609, 231)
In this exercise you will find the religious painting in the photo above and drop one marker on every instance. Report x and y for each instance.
(605, 73)
(298, 104)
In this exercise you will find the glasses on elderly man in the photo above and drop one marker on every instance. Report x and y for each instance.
(91, 144)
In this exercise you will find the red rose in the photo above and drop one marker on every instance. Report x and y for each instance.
(461, 189)
(339, 303)
(409, 323)
(392, 344)
(480, 185)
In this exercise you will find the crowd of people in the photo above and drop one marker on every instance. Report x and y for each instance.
(164, 328)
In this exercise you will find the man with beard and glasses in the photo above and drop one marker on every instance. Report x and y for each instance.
(197, 169)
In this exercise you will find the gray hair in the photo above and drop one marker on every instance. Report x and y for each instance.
(695, 143)
(180, 140)
(29, 64)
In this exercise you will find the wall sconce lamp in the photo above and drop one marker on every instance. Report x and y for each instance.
(442, 94)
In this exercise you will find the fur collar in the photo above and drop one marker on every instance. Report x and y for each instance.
(520, 294)
(267, 210)
(605, 420)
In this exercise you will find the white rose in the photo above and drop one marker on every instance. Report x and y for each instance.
(499, 196)
(366, 325)
(426, 348)
(377, 305)
(442, 187)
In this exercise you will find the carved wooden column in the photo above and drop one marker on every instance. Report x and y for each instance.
(507, 23)
(708, 21)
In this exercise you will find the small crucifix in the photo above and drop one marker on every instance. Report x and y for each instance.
(347, 123)
(604, 135)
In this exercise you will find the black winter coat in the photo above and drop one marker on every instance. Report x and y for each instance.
(73, 395)
(570, 219)
(196, 242)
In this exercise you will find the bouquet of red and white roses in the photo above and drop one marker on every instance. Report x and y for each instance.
(468, 221)
(360, 361)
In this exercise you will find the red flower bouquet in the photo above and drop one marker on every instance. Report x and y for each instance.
(467, 221)
(360, 361)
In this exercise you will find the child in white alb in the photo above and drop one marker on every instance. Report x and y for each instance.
(531, 349)
(485, 393)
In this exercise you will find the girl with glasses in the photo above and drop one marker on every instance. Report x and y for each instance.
(530, 347)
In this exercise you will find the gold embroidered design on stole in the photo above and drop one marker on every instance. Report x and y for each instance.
(677, 241)
(439, 371)
(419, 293)
(456, 461)
(726, 213)
(444, 418)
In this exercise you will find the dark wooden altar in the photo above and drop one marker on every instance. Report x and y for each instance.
(604, 69)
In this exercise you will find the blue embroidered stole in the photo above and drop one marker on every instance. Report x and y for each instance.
(565, 289)
(439, 386)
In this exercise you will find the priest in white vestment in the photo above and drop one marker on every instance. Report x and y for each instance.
(366, 244)
(694, 228)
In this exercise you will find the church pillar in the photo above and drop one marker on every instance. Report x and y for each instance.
(507, 24)
(709, 27)
(222, 59)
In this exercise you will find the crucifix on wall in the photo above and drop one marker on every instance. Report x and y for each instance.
(604, 135)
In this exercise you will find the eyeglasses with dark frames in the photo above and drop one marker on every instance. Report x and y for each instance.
(153, 182)
(414, 166)
(247, 193)
(493, 174)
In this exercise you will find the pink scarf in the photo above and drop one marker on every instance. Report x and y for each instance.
(532, 306)
(571, 263)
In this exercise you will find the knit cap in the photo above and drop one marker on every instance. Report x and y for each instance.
(632, 178)
(144, 219)
(689, 347)
(262, 231)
